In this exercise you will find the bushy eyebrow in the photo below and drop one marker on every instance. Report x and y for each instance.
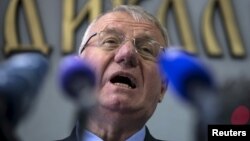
(119, 32)
(144, 36)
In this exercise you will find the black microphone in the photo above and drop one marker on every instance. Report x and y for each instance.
(193, 82)
(78, 81)
(21, 77)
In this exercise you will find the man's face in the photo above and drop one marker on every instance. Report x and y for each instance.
(127, 82)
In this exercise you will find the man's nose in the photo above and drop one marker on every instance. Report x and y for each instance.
(126, 55)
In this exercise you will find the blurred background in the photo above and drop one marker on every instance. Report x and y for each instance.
(216, 31)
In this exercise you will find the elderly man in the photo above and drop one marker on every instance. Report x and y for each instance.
(122, 46)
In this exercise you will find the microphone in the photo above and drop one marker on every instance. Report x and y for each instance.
(21, 77)
(193, 82)
(78, 81)
(184, 71)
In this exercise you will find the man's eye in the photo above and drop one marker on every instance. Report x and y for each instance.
(111, 41)
(146, 50)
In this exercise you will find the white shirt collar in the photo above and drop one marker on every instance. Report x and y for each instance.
(138, 136)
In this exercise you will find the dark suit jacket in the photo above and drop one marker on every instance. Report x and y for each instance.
(73, 136)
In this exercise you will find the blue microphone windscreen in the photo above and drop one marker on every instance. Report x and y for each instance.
(183, 70)
(75, 74)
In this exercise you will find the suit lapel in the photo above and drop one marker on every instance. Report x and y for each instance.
(149, 137)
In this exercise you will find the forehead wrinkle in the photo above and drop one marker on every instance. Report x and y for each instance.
(119, 32)
(107, 22)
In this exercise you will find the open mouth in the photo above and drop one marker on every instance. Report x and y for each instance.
(123, 81)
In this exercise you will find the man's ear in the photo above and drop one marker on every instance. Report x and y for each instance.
(164, 86)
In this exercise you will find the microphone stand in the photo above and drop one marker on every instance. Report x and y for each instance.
(85, 102)
(205, 100)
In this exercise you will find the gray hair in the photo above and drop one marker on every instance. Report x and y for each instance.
(138, 13)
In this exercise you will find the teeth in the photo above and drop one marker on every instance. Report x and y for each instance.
(123, 85)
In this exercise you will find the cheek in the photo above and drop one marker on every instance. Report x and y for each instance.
(152, 81)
